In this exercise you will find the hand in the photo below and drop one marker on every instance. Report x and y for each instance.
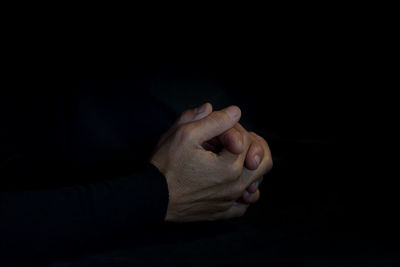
(231, 140)
(204, 185)
(258, 147)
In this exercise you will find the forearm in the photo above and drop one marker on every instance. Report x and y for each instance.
(62, 221)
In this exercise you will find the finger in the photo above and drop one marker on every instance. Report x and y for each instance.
(187, 116)
(255, 154)
(250, 176)
(195, 114)
(237, 210)
(227, 155)
(267, 159)
(215, 124)
(253, 187)
(232, 140)
(251, 198)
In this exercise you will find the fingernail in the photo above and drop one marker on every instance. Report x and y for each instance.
(256, 184)
(233, 111)
(201, 109)
(246, 194)
(257, 159)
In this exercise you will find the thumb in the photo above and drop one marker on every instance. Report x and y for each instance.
(195, 114)
(216, 123)
(187, 116)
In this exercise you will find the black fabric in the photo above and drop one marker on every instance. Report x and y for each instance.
(74, 170)
(328, 201)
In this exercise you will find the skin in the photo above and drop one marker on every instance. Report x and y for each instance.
(205, 184)
(232, 140)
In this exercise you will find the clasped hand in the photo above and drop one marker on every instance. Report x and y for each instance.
(212, 165)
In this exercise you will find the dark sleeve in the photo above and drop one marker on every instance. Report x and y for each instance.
(47, 224)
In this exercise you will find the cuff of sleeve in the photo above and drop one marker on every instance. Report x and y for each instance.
(154, 196)
(141, 199)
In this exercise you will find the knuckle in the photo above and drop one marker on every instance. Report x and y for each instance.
(185, 115)
(261, 140)
(253, 134)
(234, 170)
(185, 133)
(256, 149)
(256, 196)
(235, 191)
(258, 137)
(247, 138)
(269, 163)
(235, 136)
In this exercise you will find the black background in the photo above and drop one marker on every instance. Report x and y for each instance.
(313, 93)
